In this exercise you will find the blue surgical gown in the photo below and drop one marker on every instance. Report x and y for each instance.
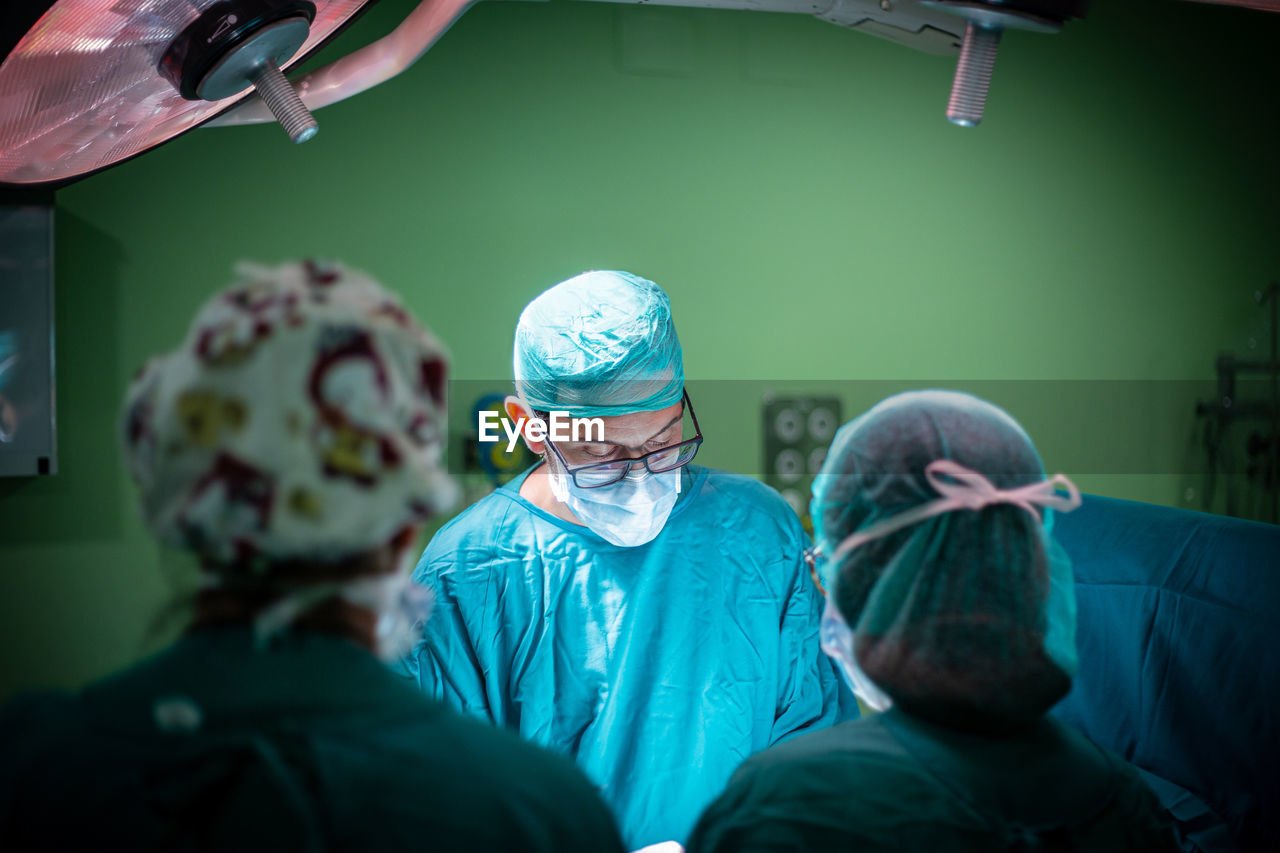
(658, 668)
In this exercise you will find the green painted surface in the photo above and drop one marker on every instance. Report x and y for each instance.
(793, 186)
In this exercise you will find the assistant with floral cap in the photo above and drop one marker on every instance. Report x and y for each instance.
(292, 443)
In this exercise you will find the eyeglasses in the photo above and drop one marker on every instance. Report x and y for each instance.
(811, 556)
(663, 459)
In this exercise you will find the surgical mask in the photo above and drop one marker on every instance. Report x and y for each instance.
(628, 513)
(837, 642)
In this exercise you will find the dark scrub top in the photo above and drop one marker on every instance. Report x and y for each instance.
(311, 745)
(893, 782)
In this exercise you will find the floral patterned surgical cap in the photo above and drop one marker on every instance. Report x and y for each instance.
(302, 418)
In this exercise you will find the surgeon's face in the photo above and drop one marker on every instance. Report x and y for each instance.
(625, 436)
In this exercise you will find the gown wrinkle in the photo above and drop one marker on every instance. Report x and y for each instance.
(656, 668)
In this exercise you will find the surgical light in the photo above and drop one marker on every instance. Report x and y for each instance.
(985, 21)
(88, 83)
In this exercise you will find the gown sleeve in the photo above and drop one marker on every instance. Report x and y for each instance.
(811, 695)
(444, 664)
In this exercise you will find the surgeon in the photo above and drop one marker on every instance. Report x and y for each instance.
(292, 444)
(951, 609)
(651, 618)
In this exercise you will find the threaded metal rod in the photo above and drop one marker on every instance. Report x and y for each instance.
(973, 75)
(286, 106)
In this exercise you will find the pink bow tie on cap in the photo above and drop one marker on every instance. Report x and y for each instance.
(967, 490)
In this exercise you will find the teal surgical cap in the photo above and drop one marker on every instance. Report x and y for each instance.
(965, 614)
(601, 343)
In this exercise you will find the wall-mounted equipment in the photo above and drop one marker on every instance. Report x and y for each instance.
(1241, 428)
(796, 434)
(28, 424)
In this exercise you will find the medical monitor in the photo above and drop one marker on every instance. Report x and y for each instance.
(28, 436)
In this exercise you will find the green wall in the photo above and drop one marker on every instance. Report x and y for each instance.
(793, 186)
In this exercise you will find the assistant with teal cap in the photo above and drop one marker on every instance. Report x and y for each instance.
(950, 609)
(651, 618)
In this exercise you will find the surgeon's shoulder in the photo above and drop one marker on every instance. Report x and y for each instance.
(490, 530)
(748, 499)
(740, 487)
(745, 505)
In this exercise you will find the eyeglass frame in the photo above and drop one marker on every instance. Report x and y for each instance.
(696, 442)
(811, 555)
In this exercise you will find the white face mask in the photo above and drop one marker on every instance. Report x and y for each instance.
(837, 642)
(628, 513)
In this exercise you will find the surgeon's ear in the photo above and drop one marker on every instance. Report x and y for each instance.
(518, 412)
